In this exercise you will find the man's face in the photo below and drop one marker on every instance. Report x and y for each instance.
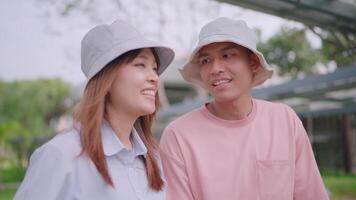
(227, 70)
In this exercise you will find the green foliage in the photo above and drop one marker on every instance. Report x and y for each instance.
(33, 103)
(339, 47)
(15, 137)
(290, 51)
(26, 111)
(12, 174)
(10, 130)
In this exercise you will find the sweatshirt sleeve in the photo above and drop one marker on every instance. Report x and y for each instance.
(178, 186)
(308, 183)
(46, 177)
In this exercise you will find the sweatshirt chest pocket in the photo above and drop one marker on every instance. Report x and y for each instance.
(274, 179)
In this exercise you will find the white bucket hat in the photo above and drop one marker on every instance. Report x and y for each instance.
(226, 30)
(104, 43)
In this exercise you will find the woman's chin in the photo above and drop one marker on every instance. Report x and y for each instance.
(148, 110)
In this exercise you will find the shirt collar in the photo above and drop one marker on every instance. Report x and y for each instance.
(139, 146)
(112, 144)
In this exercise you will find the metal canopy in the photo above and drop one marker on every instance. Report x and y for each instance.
(315, 95)
(337, 15)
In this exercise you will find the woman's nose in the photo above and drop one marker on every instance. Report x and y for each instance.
(153, 76)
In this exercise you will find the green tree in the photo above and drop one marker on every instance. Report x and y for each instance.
(340, 47)
(26, 111)
(290, 51)
(17, 138)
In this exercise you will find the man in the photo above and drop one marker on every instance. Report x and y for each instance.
(236, 147)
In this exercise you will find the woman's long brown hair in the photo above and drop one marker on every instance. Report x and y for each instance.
(90, 114)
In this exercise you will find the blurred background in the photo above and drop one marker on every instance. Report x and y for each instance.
(310, 43)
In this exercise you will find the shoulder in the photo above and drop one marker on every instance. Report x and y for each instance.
(263, 104)
(50, 167)
(186, 120)
(181, 127)
(63, 146)
(66, 141)
(279, 114)
(274, 108)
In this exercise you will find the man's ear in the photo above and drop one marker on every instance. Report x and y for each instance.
(254, 62)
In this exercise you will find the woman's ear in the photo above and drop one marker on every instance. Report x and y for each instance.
(254, 62)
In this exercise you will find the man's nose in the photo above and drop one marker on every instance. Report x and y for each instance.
(217, 66)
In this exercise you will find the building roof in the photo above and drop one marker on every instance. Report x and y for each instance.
(337, 15)
(317, 94)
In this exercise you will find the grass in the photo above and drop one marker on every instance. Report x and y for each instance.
(10, 176)
(7, 194)
(341, 186)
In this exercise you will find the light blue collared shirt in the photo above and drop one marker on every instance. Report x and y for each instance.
(56, 172)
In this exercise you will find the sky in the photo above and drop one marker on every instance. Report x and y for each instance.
(36, 42)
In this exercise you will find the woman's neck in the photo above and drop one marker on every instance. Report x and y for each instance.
(121, 123)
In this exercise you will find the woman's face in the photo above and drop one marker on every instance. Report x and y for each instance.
(135, 86)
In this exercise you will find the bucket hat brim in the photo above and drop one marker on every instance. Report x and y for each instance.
(165, 54)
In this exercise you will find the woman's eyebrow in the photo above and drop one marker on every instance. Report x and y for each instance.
(145, 57)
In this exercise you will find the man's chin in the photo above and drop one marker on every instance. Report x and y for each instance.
(223, 98)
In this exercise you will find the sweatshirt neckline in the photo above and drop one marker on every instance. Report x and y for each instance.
(241, 122)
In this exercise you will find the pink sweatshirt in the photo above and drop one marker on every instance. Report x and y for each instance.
(266, 156)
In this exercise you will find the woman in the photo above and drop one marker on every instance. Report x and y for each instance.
(110, 153)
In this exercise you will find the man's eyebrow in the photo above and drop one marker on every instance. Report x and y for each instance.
(203, 54)
(230, 47)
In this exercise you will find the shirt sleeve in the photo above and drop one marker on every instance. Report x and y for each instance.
(178, 186)
(308, 183)
(46, 177)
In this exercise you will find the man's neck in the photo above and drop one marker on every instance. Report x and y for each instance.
(232, 110)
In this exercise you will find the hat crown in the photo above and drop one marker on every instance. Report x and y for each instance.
(102, 37)
(229, 27)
